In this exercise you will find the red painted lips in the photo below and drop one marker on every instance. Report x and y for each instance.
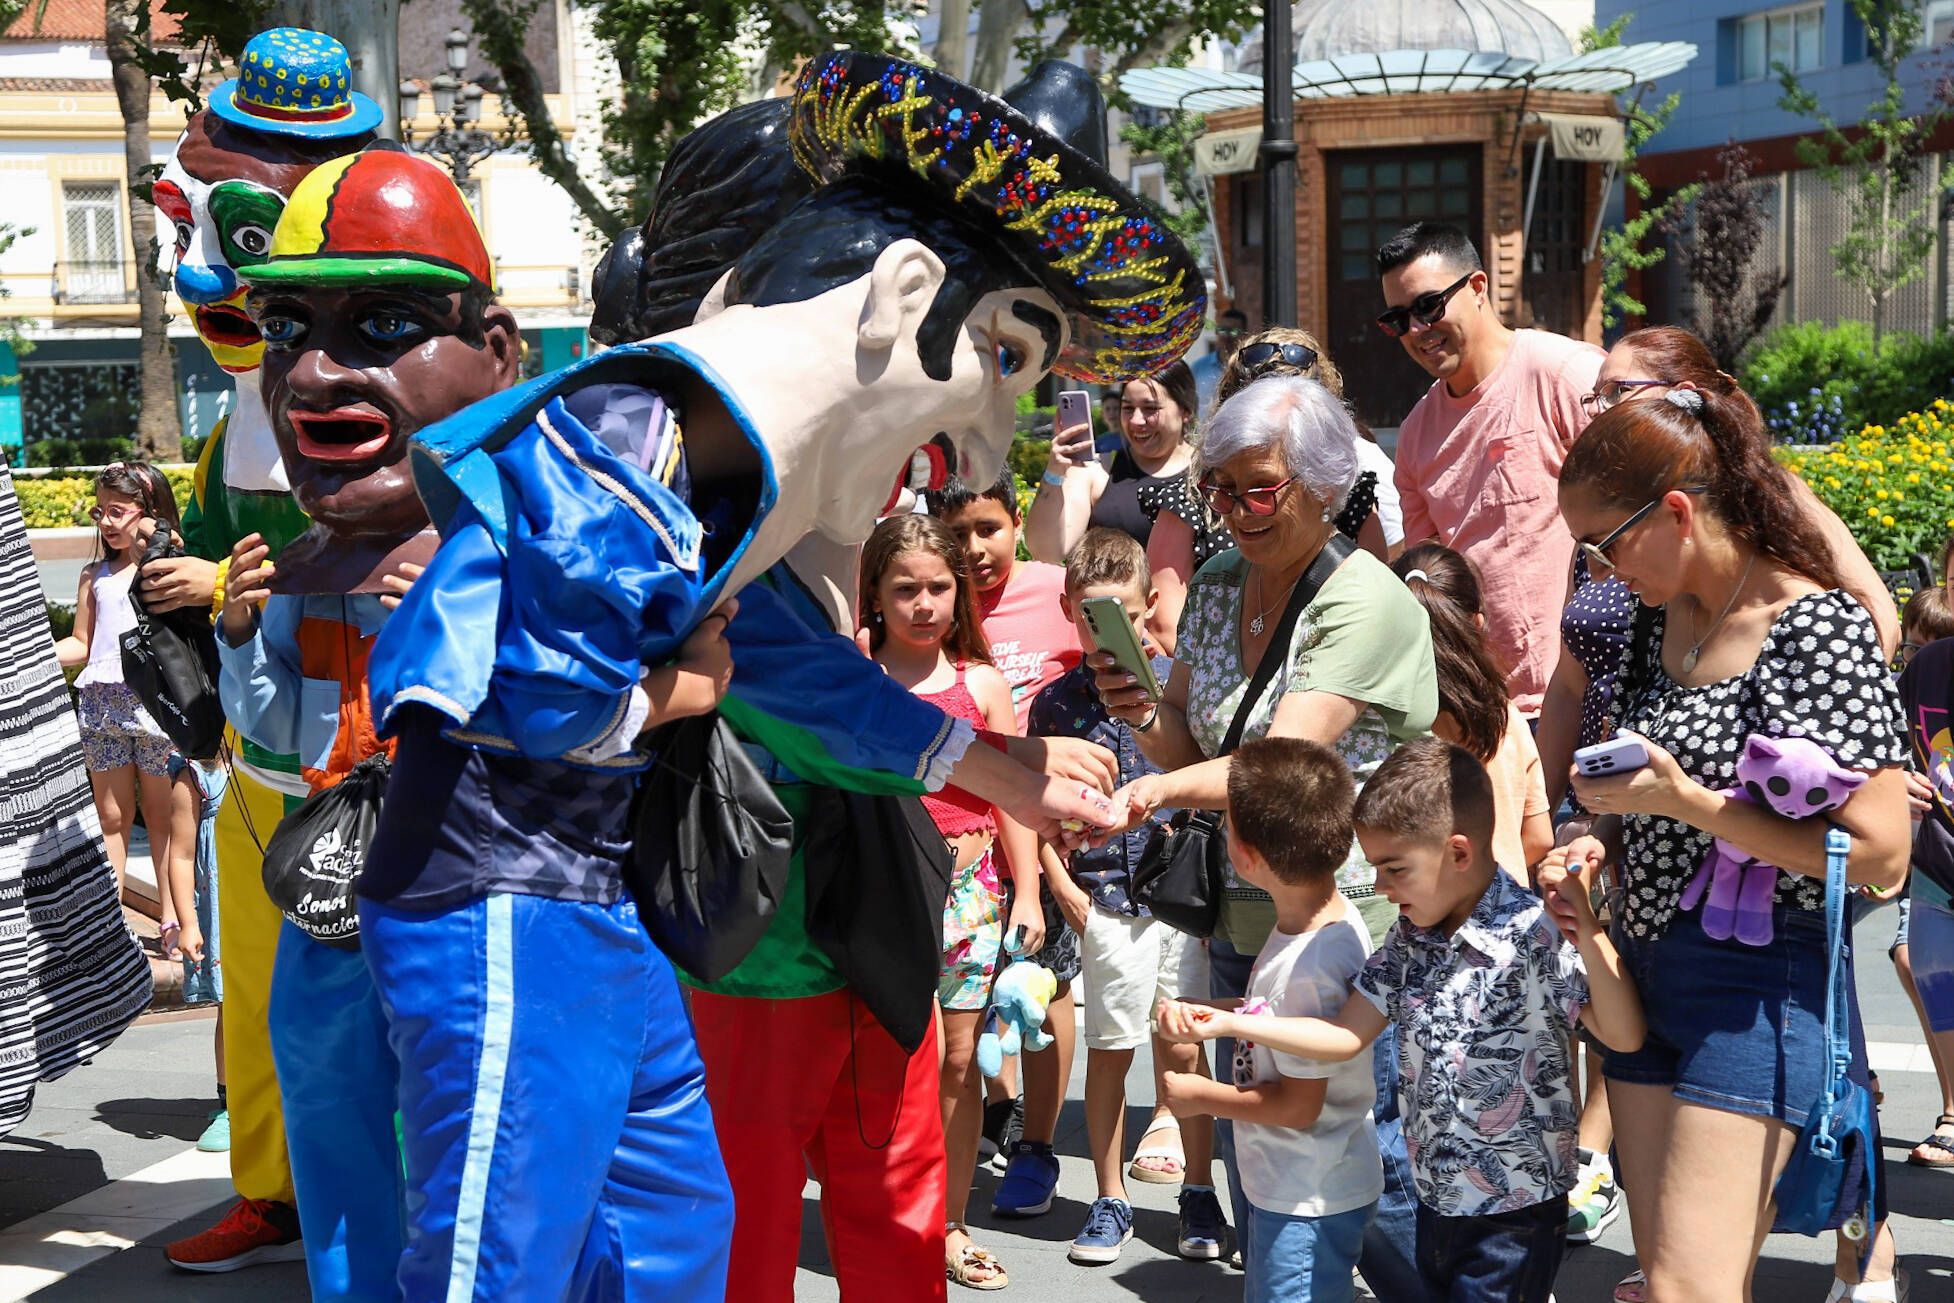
(343, 434)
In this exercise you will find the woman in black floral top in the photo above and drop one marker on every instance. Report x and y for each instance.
(1679, 497)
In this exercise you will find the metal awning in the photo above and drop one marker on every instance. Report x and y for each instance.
(1411, 72)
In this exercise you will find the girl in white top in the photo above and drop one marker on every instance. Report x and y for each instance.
(126, 751)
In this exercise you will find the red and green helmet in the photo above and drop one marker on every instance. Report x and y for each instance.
(378, 217)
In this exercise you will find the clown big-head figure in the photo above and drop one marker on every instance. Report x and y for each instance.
(222, 192)
(374, 296)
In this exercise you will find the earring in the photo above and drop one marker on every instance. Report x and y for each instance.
(1328, 515)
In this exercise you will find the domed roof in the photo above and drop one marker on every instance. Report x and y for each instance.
(1327, 28)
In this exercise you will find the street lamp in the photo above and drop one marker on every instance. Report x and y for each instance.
(458, 137)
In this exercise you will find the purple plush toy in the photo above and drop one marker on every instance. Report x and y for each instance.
(1796, 778)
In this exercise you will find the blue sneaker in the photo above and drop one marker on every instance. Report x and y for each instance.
(1109, 1225)
(216, 1138)
(1029, 1182)
(1204, 1230)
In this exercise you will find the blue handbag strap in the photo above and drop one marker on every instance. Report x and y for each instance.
(1838, 1022)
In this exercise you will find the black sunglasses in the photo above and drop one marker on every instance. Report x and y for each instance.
(1427, 308)
(1256, 356)
(1597, 553)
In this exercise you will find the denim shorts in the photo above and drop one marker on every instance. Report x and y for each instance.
(1735, 1027)
(1931, 950)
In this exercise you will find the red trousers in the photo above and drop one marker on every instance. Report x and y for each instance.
(817, 1084)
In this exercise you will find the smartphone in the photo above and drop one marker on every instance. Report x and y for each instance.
(1075, 408)
(1113, 632)
(1617, 755)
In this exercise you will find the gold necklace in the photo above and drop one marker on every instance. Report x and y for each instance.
(1690, 656)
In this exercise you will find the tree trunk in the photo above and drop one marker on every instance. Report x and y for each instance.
(998, 22)
(953, 37)
(370, 31)
(159, 431)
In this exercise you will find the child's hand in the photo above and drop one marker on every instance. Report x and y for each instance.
(1027, 924)
(246, 587)
(398, 582)
(1189, 1024)
(1564, 882)
(1074, 905)
(1135, 803)
(706, 653)
(1177, 1093)
(190, 941)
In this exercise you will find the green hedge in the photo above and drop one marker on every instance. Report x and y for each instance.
(1814, 375)
(59, 501)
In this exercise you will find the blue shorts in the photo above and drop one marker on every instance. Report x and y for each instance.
(1290, 1259)
(1931, 949)
(1735, 1027)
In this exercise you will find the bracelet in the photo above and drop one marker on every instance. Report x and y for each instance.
(1056, 481)
(1152, 719)
(217, 590)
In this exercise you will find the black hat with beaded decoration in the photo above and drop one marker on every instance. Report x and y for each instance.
(1028, 167)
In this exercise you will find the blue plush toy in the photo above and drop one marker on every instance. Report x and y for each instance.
(1018, 1007)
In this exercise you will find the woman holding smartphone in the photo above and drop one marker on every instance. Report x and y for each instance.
(1077, 493)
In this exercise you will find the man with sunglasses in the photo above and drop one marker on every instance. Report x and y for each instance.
(1230, 325)
(1478, 458)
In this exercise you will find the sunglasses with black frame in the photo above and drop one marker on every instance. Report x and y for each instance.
(1255, 356)
(1597, 553)
(1427, 308)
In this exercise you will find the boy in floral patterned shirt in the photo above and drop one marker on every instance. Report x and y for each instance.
(1485, 992)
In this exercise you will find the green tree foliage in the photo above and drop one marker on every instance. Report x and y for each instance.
(1171, 140)
(1880, 165)
(1625, 249)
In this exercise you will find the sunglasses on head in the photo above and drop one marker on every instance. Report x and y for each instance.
(1256, 502)
(1256, 356)
(1597, 553)
(1426, 308)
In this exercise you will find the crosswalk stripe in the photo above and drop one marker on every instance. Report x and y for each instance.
(51, 1246)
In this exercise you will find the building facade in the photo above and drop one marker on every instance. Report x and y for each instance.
(70, 273)
(1732, 93)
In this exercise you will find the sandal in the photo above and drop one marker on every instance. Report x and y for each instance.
(1632, 1288)
(972, 1267)
(1936, 1143)
(1162, 1154)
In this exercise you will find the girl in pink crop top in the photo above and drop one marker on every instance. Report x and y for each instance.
(920, 615)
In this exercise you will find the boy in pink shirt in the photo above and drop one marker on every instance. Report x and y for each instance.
(1479, 457)
(1032, 643)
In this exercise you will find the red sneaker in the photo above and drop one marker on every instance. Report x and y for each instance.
(253, 1231)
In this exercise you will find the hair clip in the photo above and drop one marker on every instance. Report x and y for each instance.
(1410, 575)
(1687, 399)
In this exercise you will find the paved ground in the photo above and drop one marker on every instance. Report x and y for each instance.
(106, 1161)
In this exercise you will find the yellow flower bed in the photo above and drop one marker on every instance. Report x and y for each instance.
(59, 501)
(1893, 485)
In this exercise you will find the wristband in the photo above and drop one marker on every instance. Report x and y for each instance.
(1056, 481)
(217, 590)
(1152, 719)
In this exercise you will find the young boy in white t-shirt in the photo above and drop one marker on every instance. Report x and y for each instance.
(1304, 1141)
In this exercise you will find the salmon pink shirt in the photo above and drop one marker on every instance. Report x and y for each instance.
(1481, 474)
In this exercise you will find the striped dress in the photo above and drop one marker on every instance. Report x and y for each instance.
(71, 974)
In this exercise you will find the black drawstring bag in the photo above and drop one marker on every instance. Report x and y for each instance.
(313, 860)
(710, 850)
(170, 661)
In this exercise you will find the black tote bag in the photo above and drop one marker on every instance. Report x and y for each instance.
(169, 660)
(710, 848)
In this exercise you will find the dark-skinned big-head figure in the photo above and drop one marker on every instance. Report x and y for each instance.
(373, 295)
(935, 251)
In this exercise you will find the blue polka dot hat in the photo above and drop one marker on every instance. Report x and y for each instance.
(294, 82)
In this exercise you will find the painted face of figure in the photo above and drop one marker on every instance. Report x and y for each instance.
(221, 194)
(351, 374)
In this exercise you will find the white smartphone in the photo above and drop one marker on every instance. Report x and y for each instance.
(1113, 632)
(1618, 755)
(1075, 408)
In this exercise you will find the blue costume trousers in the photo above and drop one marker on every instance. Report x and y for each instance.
(336, 1077)
(557, 1136)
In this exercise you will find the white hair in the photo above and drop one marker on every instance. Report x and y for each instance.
(1295, 414)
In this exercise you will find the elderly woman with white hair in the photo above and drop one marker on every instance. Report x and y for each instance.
(1355, 673)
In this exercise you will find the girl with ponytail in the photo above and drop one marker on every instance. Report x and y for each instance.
(1473, 708)
(1746, 632)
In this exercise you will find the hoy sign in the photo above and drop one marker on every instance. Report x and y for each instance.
(1224, 152)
